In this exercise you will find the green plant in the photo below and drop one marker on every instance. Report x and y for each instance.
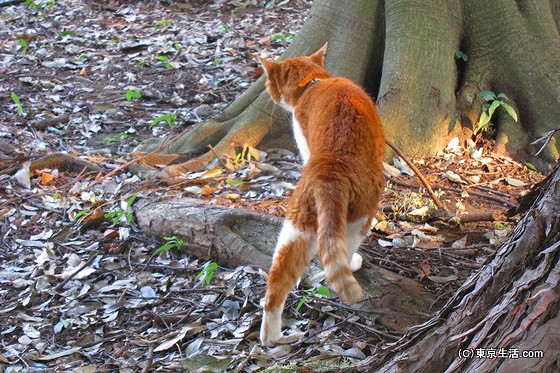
(161, 24)
(132, 94)
(531, 166)
(207, 273)
(67, 32)
(493, 101)
(81, 214)
(165, 60)
(321, 291)
(170, 243)
(460, 55)
(124, 214)
(17, 101)
(170, 119)
(108, 140)
(41, 5)
(24, 45)
(282, 38)
(223, 30)
(177, 46)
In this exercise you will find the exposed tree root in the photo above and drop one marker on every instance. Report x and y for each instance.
(237, 237)
(510, 304)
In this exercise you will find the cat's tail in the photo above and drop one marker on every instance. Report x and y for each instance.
(332, 210)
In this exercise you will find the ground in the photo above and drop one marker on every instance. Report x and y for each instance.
(83, 291)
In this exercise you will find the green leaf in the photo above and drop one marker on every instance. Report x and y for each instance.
(166, 246)
(205, 276)
(23, 44)
(81, 213)
(510, 111)
(495, 104)
(132, 94)
(483, 121)
(502, 95)
(131, 200)
(171, 243)
(323, 290)
(487, 95)
(531, 167)
(15, 98)
(460, 55)
(301, 302)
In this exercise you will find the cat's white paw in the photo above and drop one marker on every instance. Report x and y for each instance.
(291, 338)
(274, 339)
(271, 327)
(356, 262)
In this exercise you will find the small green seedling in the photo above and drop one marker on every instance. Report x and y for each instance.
(493, 101)
(17, 101)
(205, 276)
(24, 45)
(170, 119)
(160, 25)
(283, 38)
(120, 215)
(67, 33)
(165, 60)
(321, 291)
(460, 55)
(170, 243)
(531, 166)
(81, 214)
(34, 5)
(132, 94)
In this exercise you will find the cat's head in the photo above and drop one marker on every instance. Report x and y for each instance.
(287, 80)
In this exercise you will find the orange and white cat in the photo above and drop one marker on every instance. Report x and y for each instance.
(339, 134)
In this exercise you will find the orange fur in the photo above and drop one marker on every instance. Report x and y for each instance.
(340, 136)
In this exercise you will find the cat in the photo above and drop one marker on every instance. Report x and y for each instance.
(340, 137)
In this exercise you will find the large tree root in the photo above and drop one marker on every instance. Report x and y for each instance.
(238, 237)
(507, 309)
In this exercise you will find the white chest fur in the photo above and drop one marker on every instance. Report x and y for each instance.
(300, 140)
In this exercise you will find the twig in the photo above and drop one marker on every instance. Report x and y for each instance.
(217, 156)
(419, 175)
(61, 285)
(149, 359)
(459, 191)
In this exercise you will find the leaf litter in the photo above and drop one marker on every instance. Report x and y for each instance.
(80, 288)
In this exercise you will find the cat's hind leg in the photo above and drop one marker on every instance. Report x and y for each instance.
(355, 234)
(294, 251)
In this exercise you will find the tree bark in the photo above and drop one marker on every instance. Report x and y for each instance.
(236, 237)
(511, 305)
(403, 51)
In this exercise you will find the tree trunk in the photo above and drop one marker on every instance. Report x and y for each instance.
(236, 237)
(509, 307)
(403, 51)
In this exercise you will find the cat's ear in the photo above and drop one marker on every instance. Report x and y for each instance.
(319, 56)
(268, 65)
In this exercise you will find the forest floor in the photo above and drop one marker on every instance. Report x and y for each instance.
(81, 288)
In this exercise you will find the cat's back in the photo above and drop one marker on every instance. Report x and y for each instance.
(339, 118)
